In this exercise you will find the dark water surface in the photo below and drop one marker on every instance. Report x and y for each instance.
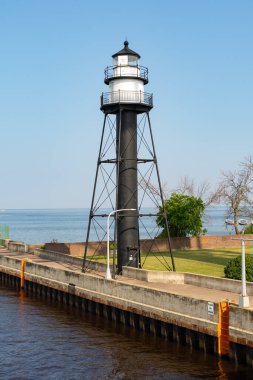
(41, 340)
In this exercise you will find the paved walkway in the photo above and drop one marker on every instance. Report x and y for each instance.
(180, 289)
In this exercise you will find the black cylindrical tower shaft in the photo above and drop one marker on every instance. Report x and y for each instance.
(127, 221)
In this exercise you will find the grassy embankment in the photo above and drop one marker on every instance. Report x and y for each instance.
(210, 262)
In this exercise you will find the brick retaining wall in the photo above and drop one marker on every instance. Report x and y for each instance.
(199, 242)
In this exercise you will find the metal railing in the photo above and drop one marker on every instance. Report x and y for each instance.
(138, 97)
(126, 71)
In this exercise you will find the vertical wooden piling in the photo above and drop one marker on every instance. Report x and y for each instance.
(22, 274)
(223, 329)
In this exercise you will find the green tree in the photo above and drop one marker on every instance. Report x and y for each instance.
(184, 213)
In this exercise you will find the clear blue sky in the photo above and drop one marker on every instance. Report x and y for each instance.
(52, 59)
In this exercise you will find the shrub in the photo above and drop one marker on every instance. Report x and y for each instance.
(249, 229)
(233, 269)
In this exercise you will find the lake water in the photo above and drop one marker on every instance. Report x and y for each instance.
(42, 340)
(70, 225)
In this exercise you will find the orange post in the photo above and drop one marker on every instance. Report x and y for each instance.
(22, 274)
(223, 329)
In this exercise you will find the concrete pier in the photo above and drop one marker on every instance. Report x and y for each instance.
(177, 306)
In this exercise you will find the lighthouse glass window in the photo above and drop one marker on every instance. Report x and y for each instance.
(121, 60)
(132, 60)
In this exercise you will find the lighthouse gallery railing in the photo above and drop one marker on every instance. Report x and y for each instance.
(126, 97)
(126, 71)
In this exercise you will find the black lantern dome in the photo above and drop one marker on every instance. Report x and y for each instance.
(126, 51)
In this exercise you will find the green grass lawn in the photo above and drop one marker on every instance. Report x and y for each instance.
(207, 261)
(203, 261)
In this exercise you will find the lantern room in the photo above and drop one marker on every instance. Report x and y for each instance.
(126, 56)
(126, 79)
(126, 64)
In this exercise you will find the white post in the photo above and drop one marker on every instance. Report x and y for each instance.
(108, 275)
(243, 299)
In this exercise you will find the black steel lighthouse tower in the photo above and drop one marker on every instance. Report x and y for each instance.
(122, 150)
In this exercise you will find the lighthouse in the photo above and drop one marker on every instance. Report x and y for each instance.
(126, 98)
(122, 106)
